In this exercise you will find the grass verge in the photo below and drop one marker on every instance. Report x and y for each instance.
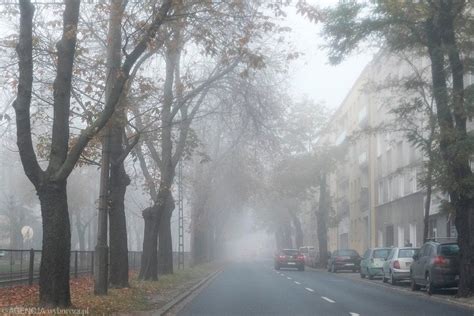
(140, 296)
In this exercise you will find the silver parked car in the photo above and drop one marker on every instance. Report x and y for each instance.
(397, 265)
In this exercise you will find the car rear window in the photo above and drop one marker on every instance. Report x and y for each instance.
(406, 253)
(290, 252)
(348, 253)
(449, 250)
(381, 253)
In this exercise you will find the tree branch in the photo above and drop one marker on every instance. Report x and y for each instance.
(22, 103)
(116, 92)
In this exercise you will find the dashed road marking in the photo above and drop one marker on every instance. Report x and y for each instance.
(288, 278)
(354, 314)
(328, 299)
(308, 289)
(297, 282)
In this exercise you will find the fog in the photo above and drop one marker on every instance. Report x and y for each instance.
(143, 138)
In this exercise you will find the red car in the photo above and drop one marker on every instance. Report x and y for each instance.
(289, 258)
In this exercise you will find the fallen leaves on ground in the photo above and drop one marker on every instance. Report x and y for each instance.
(141, 296)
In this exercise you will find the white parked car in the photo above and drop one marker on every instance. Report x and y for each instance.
(309, 255)
(397, 265)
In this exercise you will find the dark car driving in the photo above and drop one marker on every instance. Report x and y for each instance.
(344, 259)
(435, 265)
(289, 258)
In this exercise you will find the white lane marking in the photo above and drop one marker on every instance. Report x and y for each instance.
(282, 275)
(288, 278)
(354, 314)
(297, 282)
(328, 299)
(308, 289)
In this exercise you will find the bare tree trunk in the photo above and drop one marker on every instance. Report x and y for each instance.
(298, 230)
(453, 133)
(321, 216)
(429, 189)
(119, 180)
(149, 262)
(55, 256)
(165, 249)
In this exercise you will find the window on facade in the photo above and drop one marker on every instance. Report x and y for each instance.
(400, 186)
(388, 157)
(399, 160)
(380, 192)
(379, 145)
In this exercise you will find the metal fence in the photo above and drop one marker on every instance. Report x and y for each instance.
(22, 266)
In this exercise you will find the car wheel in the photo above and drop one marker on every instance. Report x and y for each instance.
(301, 268)
(429, 285)
(369, 275)
(384, 279)
(329, 268)
(413, 285)
(362, 275)
(333, 269)
(393, 281)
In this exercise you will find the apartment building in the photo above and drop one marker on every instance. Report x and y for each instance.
(375, 189)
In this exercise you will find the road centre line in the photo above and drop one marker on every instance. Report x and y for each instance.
(297, 282)
(288, 278)
(354, 314)
(328, 299)
(308, 289)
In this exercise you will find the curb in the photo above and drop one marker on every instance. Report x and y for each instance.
(165, 309)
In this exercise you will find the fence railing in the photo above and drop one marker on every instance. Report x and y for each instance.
(21, 266)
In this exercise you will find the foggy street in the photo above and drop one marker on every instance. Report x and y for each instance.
(176, 157)
(255, 288)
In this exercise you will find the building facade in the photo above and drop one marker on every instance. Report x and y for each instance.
(376, 195)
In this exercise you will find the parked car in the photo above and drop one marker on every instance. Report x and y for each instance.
(344, 259)
(372, 262)
(309, 255)
(2, 253)
(435, 265)
(289, 258)
(397, 265)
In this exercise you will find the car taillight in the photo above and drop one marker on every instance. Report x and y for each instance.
(396, 264)
(301, 258)
(440, 261)
(281, 257)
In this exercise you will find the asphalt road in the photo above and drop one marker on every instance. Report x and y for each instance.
(257, 289)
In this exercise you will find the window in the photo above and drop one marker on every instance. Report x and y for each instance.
(401, 236)
(413, 234)
(401, 186)
(367, 253)
(390, 256)
(406, 253)
(381, 253)
(348, 253)
(380, 192)
(380, 238)
(388, 160)
(379, 146)
(449, 250)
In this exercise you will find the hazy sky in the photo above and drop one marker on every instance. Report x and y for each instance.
(312, 75)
